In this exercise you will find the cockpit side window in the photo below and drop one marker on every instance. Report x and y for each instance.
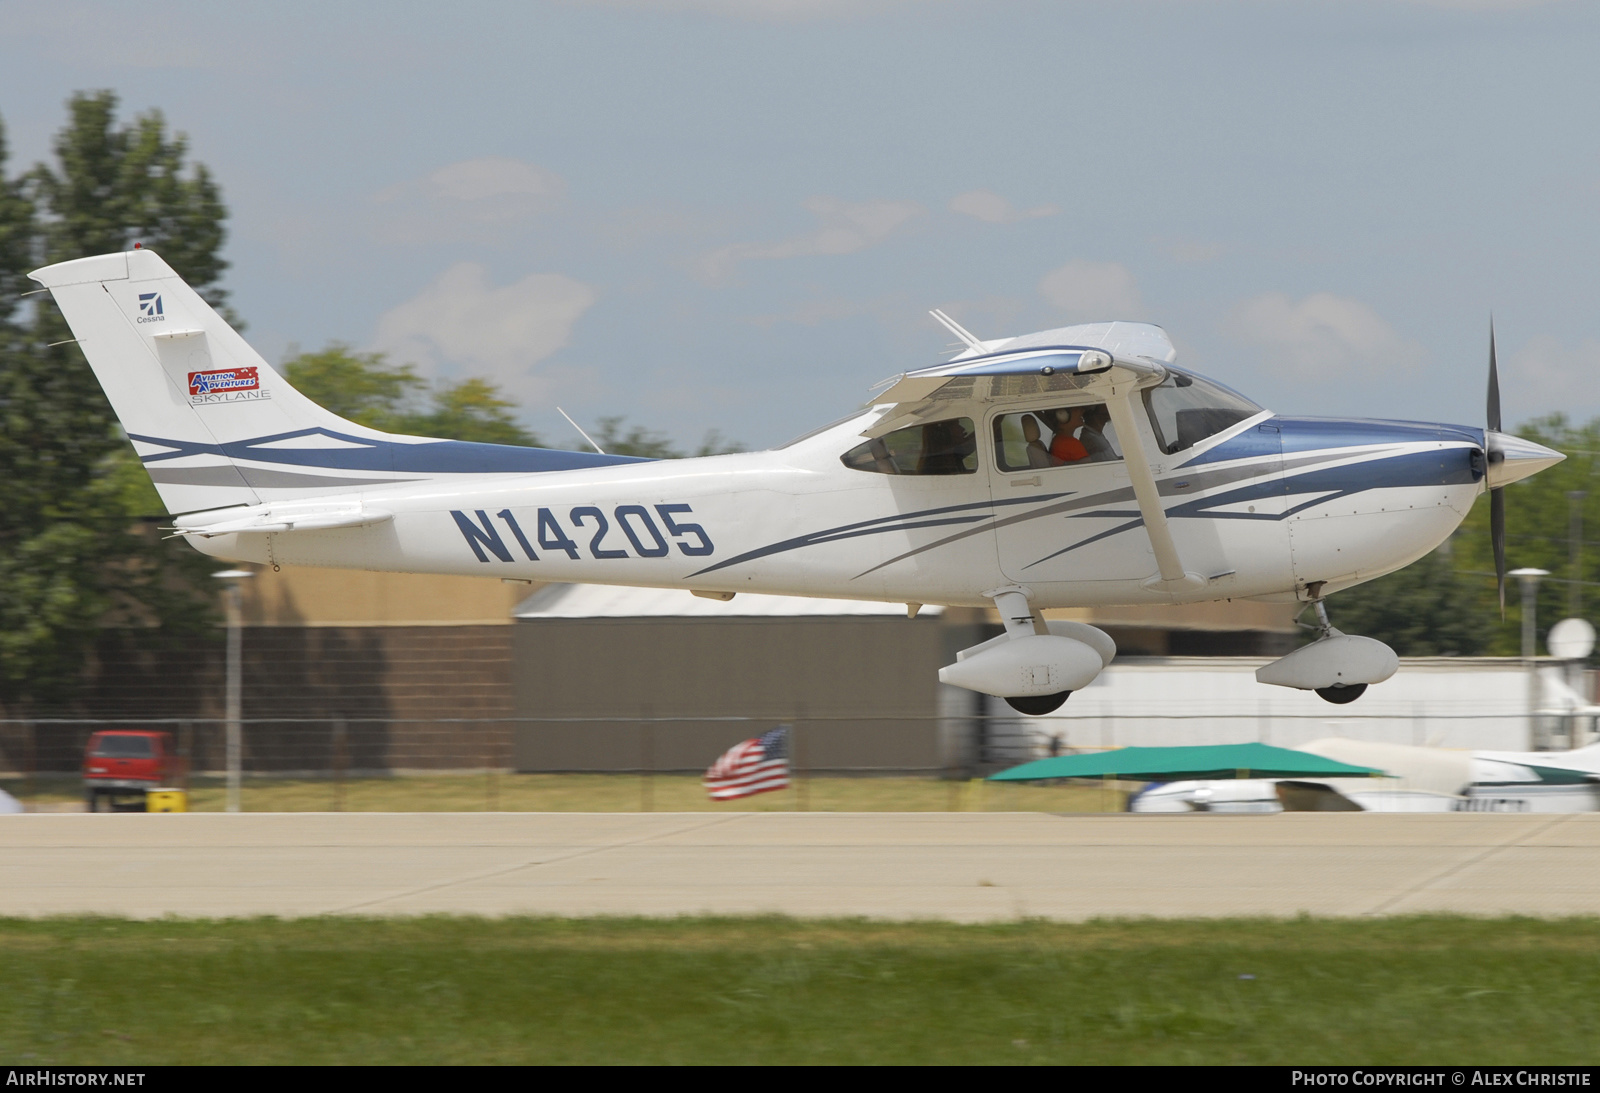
(1186, 409)
(1055, 437)
(938, 447)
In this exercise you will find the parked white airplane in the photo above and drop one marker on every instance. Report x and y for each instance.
(1429, 780)
(1070, 467)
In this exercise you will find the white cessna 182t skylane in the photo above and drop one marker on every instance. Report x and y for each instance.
(1071, 467)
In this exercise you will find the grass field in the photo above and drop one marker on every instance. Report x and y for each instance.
(453, 990)
(607, 793)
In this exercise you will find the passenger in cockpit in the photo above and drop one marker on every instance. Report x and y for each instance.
(1064, 446)
(1092, 435)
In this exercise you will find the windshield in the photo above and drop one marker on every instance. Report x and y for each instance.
(123, 747)
(1185, 409)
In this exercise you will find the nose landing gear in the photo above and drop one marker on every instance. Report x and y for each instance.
(1034, 705)
(1339, 667)
(1339, 693)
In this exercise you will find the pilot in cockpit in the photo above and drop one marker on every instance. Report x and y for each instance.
(946, 447)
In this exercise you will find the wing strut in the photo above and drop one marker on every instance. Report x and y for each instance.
(1173, 577)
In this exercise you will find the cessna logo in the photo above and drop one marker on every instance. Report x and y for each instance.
(150, 308)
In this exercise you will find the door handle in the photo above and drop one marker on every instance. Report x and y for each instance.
(1034, 481)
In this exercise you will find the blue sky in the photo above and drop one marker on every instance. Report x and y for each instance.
(734, 214)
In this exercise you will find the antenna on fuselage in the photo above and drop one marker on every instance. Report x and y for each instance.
(958, 330)
(581, 433)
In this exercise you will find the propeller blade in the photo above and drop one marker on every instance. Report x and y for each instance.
(1494, 385)
(1497, 532)
(1493, 453)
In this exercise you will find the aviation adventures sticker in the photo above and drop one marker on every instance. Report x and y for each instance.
(226, 385)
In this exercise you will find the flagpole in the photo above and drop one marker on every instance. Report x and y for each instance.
(801, 777)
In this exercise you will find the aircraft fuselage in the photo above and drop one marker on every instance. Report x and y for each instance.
(1262, 510)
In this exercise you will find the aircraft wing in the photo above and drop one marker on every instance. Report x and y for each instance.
(1083, 350)
(1121, 339)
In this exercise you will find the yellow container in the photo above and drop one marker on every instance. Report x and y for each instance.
(166, 800)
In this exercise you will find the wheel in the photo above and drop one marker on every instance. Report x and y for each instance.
(1341, 693)
(1038, 704)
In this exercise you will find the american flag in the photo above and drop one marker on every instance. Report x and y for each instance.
(752, 767)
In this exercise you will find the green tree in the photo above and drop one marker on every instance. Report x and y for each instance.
(470, 410)
(113, 187)
(638, 440)
(75, 553)
(1427, 609)
(634, 440)
(365, 388)
(359, 387)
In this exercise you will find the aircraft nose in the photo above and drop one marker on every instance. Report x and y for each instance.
(1512, 458)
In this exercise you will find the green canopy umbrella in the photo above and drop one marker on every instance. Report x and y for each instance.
(1185, 764)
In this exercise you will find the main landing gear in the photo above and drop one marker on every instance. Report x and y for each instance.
(1035, 664)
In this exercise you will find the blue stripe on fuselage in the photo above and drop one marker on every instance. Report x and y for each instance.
(1438, 467)
(1310, 434)
(429, 457)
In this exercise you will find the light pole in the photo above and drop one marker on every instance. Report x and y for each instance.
(235, 689)
(1575, 499)
(1530, 601)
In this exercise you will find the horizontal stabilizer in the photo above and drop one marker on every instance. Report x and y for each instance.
(279, 519)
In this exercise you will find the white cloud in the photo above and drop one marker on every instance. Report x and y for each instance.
(462, 325)
(843, 227)
(991, 208)
(1559, 376)
(1093, 291)
(476, 198)
(1323, 333)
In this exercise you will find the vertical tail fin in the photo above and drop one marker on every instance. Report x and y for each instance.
(217, 426)
(187, 388)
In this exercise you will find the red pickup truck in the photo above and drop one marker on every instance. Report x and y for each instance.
(120, 765)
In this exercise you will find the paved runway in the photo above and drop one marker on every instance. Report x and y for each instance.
(966, 867)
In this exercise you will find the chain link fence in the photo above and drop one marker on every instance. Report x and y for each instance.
(646, 763)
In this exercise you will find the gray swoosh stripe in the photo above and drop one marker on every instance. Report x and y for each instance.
(256, 476)
(198, 476)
